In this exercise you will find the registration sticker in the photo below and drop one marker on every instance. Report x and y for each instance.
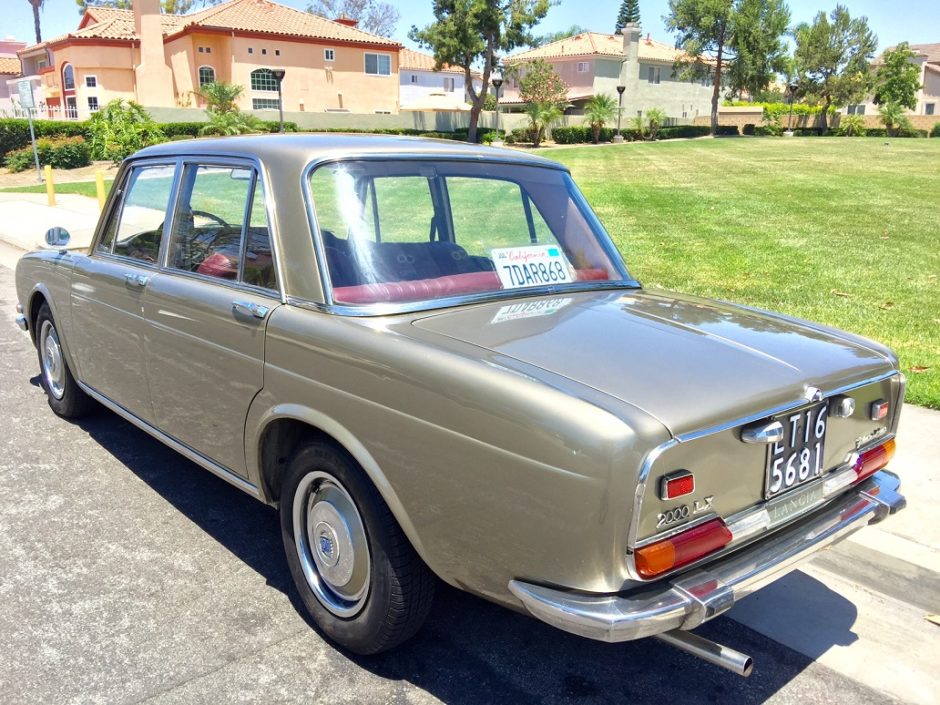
(537, 265)
(530, 309)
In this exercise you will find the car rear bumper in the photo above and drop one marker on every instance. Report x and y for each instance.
(694, 598)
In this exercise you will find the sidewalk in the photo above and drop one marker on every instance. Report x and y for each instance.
(25, 218)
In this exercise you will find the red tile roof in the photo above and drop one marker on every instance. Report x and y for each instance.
(9, 66)
(597, 44)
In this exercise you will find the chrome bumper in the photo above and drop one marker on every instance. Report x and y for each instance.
(21, 321)
(694, 598)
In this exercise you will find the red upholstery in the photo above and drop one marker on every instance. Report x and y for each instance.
(219, 265)
(439, 287)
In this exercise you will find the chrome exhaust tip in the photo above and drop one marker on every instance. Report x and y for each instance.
(708, 650)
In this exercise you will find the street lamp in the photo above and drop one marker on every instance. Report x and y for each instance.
(497, 84)
(620, 89)
(791, 93)
(279, 77)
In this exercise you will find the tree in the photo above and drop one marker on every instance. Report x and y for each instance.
(718, 34)
(37, 5)
(221, 97)
(832, 57)
(544, 93)
(629, 12)
(897, 79)
(372, 15)
(558, 36)
(541, 116)
(893, 117)
(224, 116)
(467, 32)
(655, 118)
(599, 109)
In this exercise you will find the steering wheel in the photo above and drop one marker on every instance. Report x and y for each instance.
(211, 216)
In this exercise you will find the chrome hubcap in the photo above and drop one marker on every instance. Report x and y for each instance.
(53, 366)
(331, 543)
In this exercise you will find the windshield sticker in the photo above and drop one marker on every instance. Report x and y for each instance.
(530, 309)
(538, 265)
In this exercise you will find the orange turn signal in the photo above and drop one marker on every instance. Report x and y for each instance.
(873, 460)
(681, 549)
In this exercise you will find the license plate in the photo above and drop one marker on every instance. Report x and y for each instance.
(798, 458)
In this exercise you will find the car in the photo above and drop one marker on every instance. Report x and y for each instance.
(432, 359)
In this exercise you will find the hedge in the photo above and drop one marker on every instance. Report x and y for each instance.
(65, 153)
(935, 132)
(583, 134)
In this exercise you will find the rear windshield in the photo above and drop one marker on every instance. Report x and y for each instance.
(395, 232)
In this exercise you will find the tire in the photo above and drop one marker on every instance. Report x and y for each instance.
(62, 391)
(357, 574)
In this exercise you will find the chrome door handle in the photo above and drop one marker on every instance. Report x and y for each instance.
(250, 308)
(763, 433)
(136, 279)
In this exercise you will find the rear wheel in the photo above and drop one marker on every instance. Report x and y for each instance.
(65, 396)
(358, 576)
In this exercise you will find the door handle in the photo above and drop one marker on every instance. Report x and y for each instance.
(136, 279)
(250, 308)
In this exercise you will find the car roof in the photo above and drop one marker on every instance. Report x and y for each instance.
(292, 149)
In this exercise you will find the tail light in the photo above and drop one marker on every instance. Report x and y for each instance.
(681, 549)
(871, 461)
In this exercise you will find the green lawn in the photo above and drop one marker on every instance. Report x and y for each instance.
(841, 231)
(83, 188)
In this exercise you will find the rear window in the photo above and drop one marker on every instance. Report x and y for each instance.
(397, 232)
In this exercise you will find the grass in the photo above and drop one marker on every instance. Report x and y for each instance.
(841, 231)
(82, 188)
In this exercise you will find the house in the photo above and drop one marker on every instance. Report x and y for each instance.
(9, 70)
(592, 63)
(423, 86)
(927, 59)
(161, 60)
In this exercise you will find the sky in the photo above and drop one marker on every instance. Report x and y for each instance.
(915, 21)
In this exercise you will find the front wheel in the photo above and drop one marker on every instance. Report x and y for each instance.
(358, 576)
(65, 396)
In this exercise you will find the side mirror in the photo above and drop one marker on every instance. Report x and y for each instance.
(57, 237)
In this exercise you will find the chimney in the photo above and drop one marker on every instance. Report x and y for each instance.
(631, 42)
(348, 21)
(153, 77)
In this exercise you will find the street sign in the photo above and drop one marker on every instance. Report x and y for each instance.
(25, 89)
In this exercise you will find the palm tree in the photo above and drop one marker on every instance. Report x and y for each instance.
(892, 115)
(221, 96)
(599, 109)
(655, 117)
(37, 5)
(541, 116)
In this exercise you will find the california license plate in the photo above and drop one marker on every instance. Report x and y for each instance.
(798, 458)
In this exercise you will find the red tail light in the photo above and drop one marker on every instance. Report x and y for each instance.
(681, 549)
(871, 461)
(677, 484)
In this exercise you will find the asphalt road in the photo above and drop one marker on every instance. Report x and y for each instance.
(128, 574)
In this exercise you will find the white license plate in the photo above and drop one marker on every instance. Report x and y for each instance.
(798, 458)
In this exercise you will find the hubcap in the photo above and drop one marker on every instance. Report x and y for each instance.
(53, 366)
(331, 543)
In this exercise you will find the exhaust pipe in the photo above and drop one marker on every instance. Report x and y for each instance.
(708, 650)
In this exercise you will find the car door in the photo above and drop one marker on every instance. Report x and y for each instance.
(208, 309)
(108, 286)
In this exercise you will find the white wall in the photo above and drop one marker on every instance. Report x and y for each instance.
(427, 82)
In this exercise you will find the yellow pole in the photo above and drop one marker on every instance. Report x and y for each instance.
(50, 187)
(99, 186)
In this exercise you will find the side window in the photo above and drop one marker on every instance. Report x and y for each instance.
(492, 213)
(138, 229)
(209, 233)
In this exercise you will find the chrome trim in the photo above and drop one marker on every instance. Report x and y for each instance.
(184, 450)
(653, 455)
(22, 322)
(700, 595)
(842, 407)
(875, 407)
(330, 306)
(674, 530)
(766, 433)
(250, 308)
(19, 308)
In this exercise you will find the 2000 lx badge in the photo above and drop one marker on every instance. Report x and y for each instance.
(432, 359)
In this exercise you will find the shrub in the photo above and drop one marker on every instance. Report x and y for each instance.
(748, 129)
(120, 129)
(684, 131)
(727, 130)
(876, 132)
(851, 126)
(14, 132)
(935, 132)
(767, 131)
(67, 153)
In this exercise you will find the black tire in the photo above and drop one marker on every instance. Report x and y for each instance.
(396, 599)
(62, 391)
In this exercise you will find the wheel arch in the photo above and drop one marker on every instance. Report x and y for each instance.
(38, 296)
(285, 426)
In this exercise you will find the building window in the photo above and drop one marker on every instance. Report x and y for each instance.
(383, 112)
(264, 104)
(206, 75)
(378, 64)
(263, 80)
(582, 66)
(68, 77)
(414, 78)
(652, 74)
(449, 85)
(277, 52)
(92, 104)
(91, 81)
(856, 109)
(202, 50)
(41, 64)
(250, 50)
(929, 108)
(329, 54)
(264, 52)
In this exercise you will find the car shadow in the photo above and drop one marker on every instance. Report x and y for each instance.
(471, 651)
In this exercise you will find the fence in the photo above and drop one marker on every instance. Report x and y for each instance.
(741, 116)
